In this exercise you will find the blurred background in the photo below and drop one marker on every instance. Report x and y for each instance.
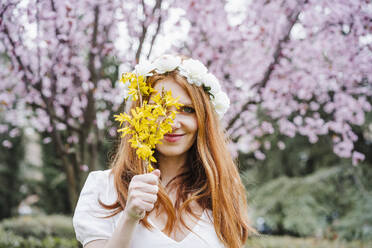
(298, 74)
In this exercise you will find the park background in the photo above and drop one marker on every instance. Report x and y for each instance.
(298, 73)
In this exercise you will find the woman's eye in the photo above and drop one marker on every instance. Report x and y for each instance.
(188, 109)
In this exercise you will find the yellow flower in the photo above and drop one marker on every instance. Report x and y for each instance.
(122, 117)
(137, 85)
(124, 131)
(170, 101)
(144, 151)
(148, 123)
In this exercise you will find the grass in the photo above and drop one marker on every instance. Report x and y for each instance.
(291, 242)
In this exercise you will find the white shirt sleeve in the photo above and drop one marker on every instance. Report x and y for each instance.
(86, 220)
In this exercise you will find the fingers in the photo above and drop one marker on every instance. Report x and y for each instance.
(142, 205)
(145, 197)
(142, 201)
(156, 173)
(145, 187)
(149, 178)
(142, 192)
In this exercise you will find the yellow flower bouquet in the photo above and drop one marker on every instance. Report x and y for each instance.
(148, 123)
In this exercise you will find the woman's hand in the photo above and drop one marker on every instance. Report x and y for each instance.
(142, 194)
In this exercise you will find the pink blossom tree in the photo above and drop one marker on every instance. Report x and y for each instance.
(56, 70)
(294, 67)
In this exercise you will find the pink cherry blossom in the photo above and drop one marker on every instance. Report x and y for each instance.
(292, 67)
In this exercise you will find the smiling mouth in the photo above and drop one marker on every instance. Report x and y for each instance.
(173, 137)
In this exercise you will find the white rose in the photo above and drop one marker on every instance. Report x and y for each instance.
(221, 103)
(193, 70)
(211, 81)
(167, 63)
(144, 68)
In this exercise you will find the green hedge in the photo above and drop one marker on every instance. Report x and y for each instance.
(10, 240)
(40, 227)
(57, 232)
(325, 204)
(290, 242)
(53, 231)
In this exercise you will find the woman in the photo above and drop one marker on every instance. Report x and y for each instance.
(194, 198)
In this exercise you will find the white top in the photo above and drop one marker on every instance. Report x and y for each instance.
(88, 226)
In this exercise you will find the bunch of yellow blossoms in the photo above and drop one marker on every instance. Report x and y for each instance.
(148, 123)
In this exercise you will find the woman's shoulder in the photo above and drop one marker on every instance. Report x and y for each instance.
(98, 177)
(87, 220)
(99, 184)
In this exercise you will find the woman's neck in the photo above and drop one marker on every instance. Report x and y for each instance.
(170, 166)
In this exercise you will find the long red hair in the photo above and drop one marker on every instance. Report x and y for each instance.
(211, 179)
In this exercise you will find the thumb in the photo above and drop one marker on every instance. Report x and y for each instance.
(156, 172)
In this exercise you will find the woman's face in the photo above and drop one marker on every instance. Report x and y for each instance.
(185, 126)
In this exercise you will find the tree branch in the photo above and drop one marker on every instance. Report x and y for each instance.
(19, 60)
(277, 55)
(54, 116)
(26, 80)
(5, 8)
(89, 113)
(157, 6)
(143, 35)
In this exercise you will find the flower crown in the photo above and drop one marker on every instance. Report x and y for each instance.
(195, 73)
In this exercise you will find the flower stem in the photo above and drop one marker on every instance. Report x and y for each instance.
(139, 93)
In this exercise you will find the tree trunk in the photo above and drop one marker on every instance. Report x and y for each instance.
(71, 182)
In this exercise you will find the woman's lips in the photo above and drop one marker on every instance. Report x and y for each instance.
(173, 137)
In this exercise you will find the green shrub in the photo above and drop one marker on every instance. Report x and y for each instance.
(9, 240)
(296, 204)
(290, 242)
(38, 232)
(325, 203)
(40, 227)
(357, 223)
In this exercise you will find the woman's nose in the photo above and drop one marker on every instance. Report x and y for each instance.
(176, 124)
